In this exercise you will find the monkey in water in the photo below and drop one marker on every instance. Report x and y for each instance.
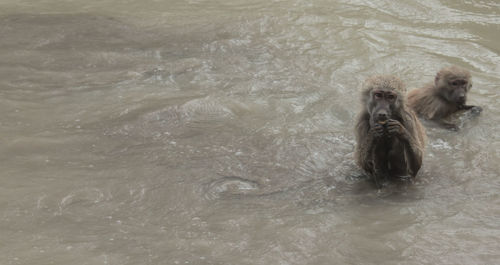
(390, 138)
(447, 95)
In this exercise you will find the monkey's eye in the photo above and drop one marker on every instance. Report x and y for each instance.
(391, 97)
(458, 83)
(377, 95)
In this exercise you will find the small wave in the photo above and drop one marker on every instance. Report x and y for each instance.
(230, 186)
(83, 197)
(204, 113)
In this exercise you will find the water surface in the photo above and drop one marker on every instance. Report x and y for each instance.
(221, 132)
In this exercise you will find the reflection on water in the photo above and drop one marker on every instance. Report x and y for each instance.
(214, 132)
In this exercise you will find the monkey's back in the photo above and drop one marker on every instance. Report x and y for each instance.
(425, 103)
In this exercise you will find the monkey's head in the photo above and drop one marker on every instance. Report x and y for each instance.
(452, 84)
(383, 97)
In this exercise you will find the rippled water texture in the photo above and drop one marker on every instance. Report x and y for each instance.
(221, 132)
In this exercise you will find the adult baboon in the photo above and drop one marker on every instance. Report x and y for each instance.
(390, 138)
(447, 95)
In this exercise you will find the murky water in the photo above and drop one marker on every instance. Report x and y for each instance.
(221, 132)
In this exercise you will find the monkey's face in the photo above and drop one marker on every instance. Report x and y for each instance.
(460, 87)
(455, 90)
(382, 104)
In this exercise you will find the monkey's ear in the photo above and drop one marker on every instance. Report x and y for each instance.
(436, 79)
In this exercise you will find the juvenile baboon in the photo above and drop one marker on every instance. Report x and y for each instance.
(390, 138)
(447, 95)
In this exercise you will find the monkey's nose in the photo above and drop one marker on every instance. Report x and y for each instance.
(461, 99)
(382, 116)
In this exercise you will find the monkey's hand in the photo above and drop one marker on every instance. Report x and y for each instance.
(395, 128)
(377, 130)
(473, 109)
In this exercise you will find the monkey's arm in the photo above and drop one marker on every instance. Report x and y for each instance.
(365, 146)
(474, 110)
(468, 107)
(458, 119)
(413, 151)
(414, 156)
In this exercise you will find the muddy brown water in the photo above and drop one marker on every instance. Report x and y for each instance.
(221, 132)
